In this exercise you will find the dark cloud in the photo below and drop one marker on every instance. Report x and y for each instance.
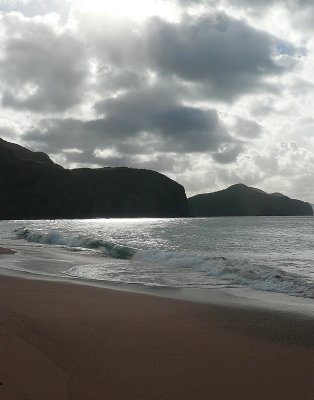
(228, 153)
(300, 13)
(55, 135)
(93, 152)
(159, 132)
(42, 69)
(218, 55)
(157, 111)
(173, 128)
(188, 129)
(46, 69)
(226, 54)
(149, 120)
(156, 96)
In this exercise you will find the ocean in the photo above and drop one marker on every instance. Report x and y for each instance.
(269, 254)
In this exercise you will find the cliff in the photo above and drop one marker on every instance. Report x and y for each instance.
(243, 200)
(33, 187)
(11, 152)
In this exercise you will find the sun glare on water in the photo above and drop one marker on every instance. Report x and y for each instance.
(137, 10)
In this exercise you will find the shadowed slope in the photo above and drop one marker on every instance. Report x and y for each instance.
(33, 187)
(240, 200)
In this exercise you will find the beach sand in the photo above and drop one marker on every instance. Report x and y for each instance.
(68, 341)
(4, 250)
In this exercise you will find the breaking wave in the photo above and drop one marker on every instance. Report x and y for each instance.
(76, 242)
(176, 265)
(235, 272)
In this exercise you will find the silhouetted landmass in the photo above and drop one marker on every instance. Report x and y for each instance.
(11, 152)
(243, 200)
(33, 187)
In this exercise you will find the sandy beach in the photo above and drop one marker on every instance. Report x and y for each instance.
(66, 341)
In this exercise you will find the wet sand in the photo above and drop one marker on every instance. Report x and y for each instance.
(65, 341)
(4, 250)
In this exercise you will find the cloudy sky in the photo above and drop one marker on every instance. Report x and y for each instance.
(208, 92)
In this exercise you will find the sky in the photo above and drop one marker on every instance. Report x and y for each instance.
(209, 92)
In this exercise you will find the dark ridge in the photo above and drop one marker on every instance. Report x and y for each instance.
(33, 187)
(277, 194)
(11, 152)
(242, 200)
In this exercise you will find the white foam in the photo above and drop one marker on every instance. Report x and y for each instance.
(230, 272)
(77, 242)
(156, 267)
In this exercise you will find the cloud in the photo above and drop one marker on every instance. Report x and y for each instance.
(219, 56)
(157, 111)
(55, 135)
(227, 54)
(146, 121)
(213, 94)
(31, 8)
(42, 68)
(111, 79)
(278, 166)
(299, 13)
(247, 128)
(8, 133)
(228, 153)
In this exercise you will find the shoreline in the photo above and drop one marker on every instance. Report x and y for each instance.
(78, 340)
(62, 341)
(232, 297)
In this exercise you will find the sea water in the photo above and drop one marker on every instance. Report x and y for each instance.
(270, 254)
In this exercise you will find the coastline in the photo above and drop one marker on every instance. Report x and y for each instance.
(22, 259)
(73, 341)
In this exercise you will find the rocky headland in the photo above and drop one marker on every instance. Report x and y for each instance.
(242, 200)
(34, 187)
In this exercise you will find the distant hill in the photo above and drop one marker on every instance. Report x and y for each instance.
(243, 200)
(33, 187)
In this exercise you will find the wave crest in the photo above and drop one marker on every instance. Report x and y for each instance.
(175, 266)
(57, 238)
(234, 272)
